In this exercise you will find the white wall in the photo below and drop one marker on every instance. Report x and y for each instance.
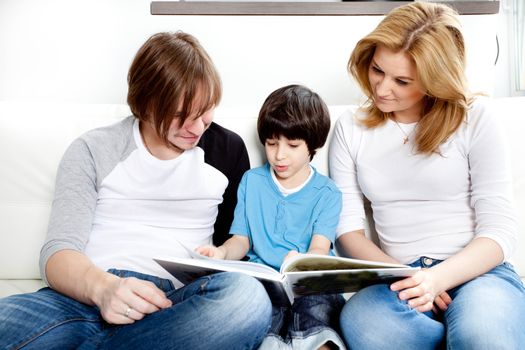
(80, 51)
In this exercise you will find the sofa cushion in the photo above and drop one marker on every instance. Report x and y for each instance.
(34, 135)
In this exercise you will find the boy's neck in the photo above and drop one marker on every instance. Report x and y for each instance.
(296, 181)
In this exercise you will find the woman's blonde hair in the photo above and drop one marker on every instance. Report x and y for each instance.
(431, 35)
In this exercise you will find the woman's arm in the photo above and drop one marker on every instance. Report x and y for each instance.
(491, 198)
(478, 257)
(356, 245)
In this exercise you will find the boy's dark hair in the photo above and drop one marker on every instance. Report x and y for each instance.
(295, 112)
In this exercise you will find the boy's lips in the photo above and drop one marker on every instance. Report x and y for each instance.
(280, 167)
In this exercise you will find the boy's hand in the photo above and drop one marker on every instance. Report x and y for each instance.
(290, 254)
(211, 251)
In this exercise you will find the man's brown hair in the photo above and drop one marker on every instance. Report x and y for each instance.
(172, 76)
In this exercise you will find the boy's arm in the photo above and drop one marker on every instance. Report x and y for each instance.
(319, 245)
(234, 248)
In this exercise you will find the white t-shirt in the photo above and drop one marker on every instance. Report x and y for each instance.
(426, 205)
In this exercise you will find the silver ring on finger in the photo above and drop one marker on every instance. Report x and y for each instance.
(127, 312)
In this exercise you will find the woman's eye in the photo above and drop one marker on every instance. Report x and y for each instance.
(377, 70)
(402, 82)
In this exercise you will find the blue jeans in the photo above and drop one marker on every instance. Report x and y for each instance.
(309, 323)
(487, 312)
(221, 311)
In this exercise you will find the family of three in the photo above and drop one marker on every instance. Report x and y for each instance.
(424, 151)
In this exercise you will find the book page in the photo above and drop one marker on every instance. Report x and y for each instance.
(344, 281)
(316, 262)
(187, 270)
(208, 264)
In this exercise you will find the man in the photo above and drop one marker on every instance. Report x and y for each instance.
(157, 183)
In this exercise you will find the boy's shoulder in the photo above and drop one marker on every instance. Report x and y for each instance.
(323, 181)
(259, 171)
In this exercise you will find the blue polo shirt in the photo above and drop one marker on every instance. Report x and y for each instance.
(276, 224)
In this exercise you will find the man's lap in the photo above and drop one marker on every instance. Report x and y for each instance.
(47, 319)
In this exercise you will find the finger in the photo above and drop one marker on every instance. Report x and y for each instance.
(446, 298)
(424, 308)
(116, 316)
(440, 303)
(422, 303)
(204, 250)
(148, 298)
(412, 293)
(408, 282)
(133, 314)
(435, 310)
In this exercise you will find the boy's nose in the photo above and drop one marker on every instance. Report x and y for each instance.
(280, 153)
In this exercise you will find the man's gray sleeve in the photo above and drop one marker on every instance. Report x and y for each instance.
(85, 164)
(73, 205)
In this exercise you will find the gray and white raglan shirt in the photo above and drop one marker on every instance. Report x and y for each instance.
(121, 206)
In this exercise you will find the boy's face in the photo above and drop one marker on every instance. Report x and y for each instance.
(289, 159)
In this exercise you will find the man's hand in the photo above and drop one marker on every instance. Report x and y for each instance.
(126, 300)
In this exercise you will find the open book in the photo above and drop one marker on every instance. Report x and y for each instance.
(302, 274)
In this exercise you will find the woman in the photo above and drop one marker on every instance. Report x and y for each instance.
(430, 158)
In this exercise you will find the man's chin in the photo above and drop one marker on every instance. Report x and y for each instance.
(185, 146)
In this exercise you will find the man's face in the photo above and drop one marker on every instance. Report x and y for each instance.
(187, 135)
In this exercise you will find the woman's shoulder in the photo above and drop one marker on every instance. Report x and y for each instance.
(480, 113)
(349, 121)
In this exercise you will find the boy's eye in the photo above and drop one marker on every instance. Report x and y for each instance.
(270, 143)
(293, 145)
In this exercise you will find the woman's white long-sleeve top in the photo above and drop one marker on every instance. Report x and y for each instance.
(426, 205)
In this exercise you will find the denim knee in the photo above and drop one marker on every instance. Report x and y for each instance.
(375, 318)
(486, 313)
(317, 311)
(245, 298)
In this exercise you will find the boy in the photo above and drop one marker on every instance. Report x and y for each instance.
(286, 207)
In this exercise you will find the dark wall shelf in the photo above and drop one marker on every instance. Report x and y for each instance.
(346, 8)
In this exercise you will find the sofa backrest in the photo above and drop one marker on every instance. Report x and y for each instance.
(34, 135)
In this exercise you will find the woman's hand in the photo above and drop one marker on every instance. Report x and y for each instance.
(420, 290)
(211, 251)
(441, 303)
(126, 300)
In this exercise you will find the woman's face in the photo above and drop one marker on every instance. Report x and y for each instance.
(395, 85)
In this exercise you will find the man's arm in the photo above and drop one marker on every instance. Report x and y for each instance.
(63, 265)
(73, 274)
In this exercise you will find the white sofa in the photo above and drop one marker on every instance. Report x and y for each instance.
(34, 135)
